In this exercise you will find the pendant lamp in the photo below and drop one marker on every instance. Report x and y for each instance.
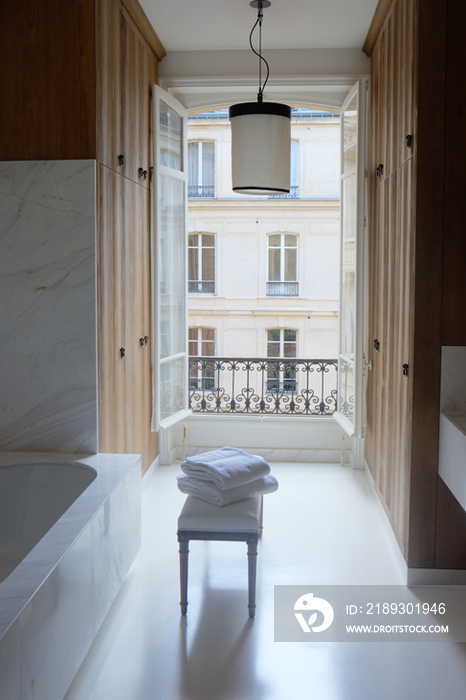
(260, 135)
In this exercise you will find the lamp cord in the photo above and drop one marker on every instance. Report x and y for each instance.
(259, 22)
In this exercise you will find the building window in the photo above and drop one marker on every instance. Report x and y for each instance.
(282, 277)
(282, 343)
(201, 344)
(293, 193)
(201, 169)
(201, 263)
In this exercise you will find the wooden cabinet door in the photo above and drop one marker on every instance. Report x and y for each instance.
(403, 329)
(110, 95)
(111, 313)
(407, 70)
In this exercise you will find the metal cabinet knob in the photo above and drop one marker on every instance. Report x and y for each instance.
(376, 345)
(121, 160)
(409, 141)
(405, 370)
(141, 173)
(122, 352)
(146, 339)
(141, 342)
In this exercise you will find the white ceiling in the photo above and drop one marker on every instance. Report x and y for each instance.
(200, 25)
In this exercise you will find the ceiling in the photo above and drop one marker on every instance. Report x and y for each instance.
(187, 25)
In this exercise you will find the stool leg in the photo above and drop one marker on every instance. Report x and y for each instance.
(252, 564)
(261, 516)
(184, 552)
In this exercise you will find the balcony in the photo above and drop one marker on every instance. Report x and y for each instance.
(201, 191)
(282, 289)
(293, 387)
(201, 287)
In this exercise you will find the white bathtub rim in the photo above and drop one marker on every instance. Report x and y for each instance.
(43, 559)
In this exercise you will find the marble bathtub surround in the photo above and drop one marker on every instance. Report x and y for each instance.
(452, 454)
(453, 379)
(48, 311)
(53, 603)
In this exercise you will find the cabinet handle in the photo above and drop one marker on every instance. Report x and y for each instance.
(145, 174)
(146, 339)
(141, 342)
(409, 141)
(140, 173)
(376, 345)
(379, 170)
(121, 160)
(122, 352)
(405, 370)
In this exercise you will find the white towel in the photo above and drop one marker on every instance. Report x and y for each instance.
(210, 493)
(227, 468)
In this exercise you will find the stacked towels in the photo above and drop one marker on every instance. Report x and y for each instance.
(226, 476)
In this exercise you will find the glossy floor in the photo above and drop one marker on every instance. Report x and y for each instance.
(321, 527)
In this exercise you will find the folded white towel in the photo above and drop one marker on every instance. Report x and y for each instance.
(210, 493)
(227, 468)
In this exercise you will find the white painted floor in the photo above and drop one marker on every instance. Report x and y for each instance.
(321, 527)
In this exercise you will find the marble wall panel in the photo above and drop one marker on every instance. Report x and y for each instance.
(453, 379)
(48, 310)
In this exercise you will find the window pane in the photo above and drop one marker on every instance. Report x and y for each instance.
(294, 164)
(274, 264)
(348, 267)
(208, 163)
(273, 335)
(172, 259)
(274, 240)
(208, 349)
(289, 350)
(289, 335)
(172, 386)
(350, 128)
(208, 240)
(208, 334)
(193, 257)
(193, 344)
(290, 265)
(291, 240)
(170, 137)
(208, 258)
(273, 349)
(193, 163)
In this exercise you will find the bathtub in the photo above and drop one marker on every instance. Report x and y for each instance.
(71, 529)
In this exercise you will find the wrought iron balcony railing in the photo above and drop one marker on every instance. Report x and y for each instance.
(201, 287)
(262, 386)
(201, 190)
(282, 289)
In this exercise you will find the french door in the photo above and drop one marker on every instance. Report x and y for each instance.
(351, 365)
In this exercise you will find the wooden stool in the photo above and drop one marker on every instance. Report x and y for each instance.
(241, 521)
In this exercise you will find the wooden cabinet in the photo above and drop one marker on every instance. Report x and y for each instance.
(124, 318)
(126, 70)
(391, 269)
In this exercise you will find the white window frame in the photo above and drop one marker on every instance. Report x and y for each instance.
(199, 249)
(158, 291)
(282, 249)
(354, 427)
(281, 357)
(200, 162)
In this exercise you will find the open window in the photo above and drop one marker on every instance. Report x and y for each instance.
(351, 336)
(169, 260)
